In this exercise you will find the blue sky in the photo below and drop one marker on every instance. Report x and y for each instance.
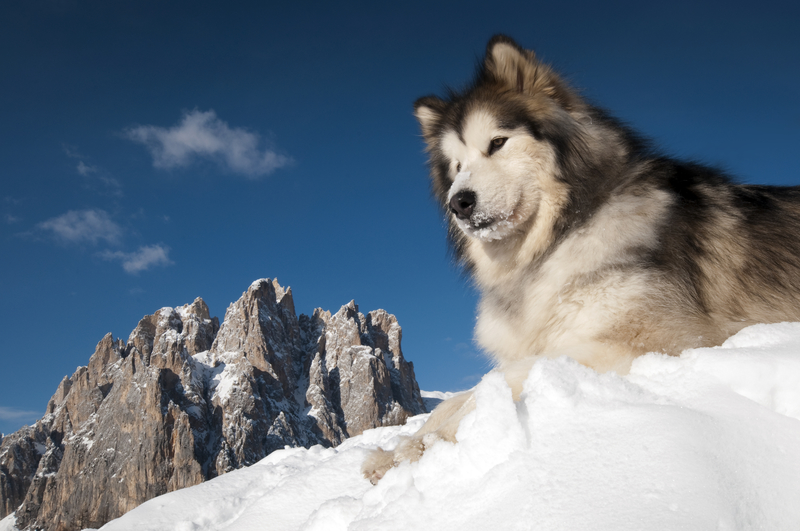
(154, 152)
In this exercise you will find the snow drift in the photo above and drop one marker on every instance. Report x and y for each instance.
(707, 440)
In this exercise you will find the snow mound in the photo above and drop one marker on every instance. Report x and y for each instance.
(707, 440)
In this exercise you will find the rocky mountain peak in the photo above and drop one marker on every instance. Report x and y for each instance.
(185, 399)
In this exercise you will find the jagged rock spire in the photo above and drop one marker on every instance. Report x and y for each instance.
(185, 399)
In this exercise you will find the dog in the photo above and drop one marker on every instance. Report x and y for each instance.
(586, 242)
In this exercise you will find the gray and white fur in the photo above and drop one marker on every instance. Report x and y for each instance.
(586, 242)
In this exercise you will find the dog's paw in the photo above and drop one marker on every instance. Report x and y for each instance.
(380, 461)
(410, 449)
(377, 463)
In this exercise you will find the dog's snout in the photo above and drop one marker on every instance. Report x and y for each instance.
(462, 204)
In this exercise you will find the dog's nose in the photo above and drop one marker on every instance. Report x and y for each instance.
(462, 204)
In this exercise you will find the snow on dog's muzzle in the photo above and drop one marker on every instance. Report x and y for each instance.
(459, 183)
(461, 199)
(474, 220)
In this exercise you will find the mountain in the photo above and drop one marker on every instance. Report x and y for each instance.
(185, 400)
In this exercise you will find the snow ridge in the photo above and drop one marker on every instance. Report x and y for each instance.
(707, 440)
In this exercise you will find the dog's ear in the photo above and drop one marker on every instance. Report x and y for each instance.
(428, 111)
(510, 64)
(520, 71)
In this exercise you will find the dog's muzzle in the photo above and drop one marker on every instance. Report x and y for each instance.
(462, 204)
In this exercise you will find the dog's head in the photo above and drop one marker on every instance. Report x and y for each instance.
(501, 149)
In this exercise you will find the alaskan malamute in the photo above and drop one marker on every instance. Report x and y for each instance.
(586, 242)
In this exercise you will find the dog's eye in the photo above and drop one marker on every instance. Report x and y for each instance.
(458, 167)
(496, 144)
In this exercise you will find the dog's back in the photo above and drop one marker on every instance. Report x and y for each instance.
(732, 250)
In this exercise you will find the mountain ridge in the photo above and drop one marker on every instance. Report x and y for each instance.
(186, 399)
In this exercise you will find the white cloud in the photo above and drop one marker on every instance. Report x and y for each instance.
(85, 169)
(11, 219)
(82, 226)
(141, 260)
(203, 135)
(10, 413)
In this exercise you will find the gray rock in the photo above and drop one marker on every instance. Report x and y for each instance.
(184, 400)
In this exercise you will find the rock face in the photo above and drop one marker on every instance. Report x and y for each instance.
(184, 400)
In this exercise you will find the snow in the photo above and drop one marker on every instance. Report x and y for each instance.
(222, 372)
(432, 399)
(257, 283)
(8, 523)
(707, 440)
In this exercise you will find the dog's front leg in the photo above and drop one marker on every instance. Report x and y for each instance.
(442, 425)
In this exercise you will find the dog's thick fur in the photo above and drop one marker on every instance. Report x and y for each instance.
(584, 241)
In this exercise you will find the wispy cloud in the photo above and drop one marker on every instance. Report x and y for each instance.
(10, 413)
(203, 135)
(82, 226)
(85, 169)
(146, 257)
(94, 174)
(11, 219)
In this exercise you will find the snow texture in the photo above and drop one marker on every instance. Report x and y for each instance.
(707, 440)
(7, 523)
(459, 183)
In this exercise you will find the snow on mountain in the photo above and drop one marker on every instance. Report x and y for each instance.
(185, 400)
(709, 440)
